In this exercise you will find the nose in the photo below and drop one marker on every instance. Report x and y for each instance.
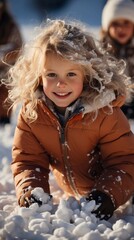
(61, 83)
(120, 27)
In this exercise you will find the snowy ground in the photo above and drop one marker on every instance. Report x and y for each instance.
(62, 219)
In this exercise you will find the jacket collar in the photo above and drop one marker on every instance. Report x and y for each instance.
(106, 98)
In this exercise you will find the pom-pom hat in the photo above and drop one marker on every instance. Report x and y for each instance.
(115, 9)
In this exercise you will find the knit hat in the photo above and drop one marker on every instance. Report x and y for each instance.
(115, 9)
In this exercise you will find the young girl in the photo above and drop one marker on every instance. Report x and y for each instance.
(117, 34)
(71, 121)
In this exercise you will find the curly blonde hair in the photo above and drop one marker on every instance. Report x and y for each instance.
(74, 42)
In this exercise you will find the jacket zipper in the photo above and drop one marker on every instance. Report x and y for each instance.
(66, 163)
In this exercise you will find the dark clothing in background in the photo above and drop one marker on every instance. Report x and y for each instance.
(125, 52)
(10, 44)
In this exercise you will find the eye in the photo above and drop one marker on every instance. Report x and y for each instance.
(51, 75)
(127, 23)
(114, 24)
(71, 74)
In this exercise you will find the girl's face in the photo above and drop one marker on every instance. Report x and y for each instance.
(121, 30)
(62, 80)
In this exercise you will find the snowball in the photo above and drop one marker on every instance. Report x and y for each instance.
(57, 223)
(46, 216)
(119, 224)
(39, 225)
(63, 212)
(62, 232)
(41, 195)
(45, 208)
(78, 221)
(92, 235)
(81, 229)
(17, 220)
(119, 233)
(73, 203)
(88, 206)
(25, 212)
(101, 227)
(130, 228)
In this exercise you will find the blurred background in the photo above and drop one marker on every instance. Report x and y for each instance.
(30, 13)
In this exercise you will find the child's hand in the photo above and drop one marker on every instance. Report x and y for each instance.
(27, 199)
(36, 195)
(106, 207)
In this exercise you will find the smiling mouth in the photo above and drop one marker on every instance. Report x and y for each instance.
(122, 35)
(62, 94)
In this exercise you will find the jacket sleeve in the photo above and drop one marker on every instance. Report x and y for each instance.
(117, 150)
(30, 162)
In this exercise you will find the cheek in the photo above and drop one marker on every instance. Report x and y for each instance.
(79, 87)
(130, 31)
(112, 32)
(45, 86)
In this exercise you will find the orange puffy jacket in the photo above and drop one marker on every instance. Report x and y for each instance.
(83, 155)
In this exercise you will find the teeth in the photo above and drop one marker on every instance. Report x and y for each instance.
(61, 94)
